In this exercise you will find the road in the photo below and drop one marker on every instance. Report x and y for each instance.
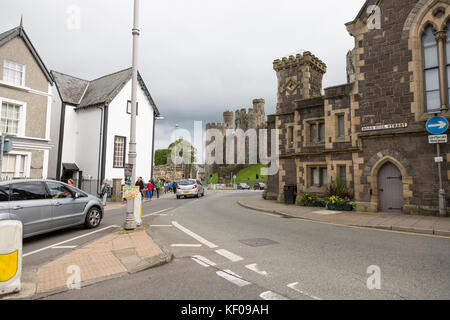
(225, 252)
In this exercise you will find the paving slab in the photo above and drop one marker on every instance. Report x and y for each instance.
(386, 221)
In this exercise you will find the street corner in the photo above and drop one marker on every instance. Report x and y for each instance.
(28, 281)
(116, 254)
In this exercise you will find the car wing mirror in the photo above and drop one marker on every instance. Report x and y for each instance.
(76, 195)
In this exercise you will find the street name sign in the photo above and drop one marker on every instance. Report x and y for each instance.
(439, 159)
(437, 125)
(384, 127)
(440, 138)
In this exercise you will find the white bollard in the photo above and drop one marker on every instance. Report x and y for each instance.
(10, 256)
(138, 209)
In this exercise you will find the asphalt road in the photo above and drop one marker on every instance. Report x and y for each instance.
(223, 251)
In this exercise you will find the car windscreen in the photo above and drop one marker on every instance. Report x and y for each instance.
(187, 182)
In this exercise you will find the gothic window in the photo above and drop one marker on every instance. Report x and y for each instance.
(431, 70)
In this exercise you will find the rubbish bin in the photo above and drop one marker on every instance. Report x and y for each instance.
(290, 192)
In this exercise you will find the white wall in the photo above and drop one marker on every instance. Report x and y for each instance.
(70, 136)
(54, 133)
(119, 125)
(88, 135)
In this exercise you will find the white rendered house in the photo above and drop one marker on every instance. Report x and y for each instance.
(93, 130)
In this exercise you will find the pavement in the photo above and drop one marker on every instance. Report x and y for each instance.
(431, 225)
(113, 255)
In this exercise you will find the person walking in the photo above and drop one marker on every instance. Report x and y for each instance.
(140, 184)
(149, 190)
(158, 187)
(174, 186)
(105, 189)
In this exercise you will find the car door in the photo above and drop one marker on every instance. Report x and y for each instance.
(30, 202)
(4, 199)
(67, 210)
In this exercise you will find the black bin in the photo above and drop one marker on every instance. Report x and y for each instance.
(290, 192)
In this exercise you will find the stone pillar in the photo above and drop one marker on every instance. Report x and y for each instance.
(117, 190)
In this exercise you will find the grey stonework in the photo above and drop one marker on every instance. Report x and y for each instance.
(379, 91)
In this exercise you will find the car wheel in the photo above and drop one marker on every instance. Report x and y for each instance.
(93, 218)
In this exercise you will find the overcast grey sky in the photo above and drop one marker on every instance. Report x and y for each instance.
(198, 57)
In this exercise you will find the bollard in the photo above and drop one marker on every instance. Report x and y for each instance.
(10, 256)
(138, 209)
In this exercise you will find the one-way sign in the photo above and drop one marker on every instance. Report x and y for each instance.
(441, 138)
(437, 125)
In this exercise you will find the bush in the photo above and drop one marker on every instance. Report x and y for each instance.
(312, 200)
(161, 156)
(339, 189)
(264, 195)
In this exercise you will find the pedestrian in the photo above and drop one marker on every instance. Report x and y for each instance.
(158, 187)
(105, 189)
(149, 189)
(70, 183)
(174, 186)
(140, 184)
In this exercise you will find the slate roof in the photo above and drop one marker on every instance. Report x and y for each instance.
(20, 32)
(85, 94)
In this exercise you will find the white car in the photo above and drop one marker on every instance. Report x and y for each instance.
(190, 188)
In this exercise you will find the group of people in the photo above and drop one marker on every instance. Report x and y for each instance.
(155, 186)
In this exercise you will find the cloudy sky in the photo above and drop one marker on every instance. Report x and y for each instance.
(198, 57)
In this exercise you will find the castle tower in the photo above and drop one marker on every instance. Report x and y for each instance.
(299, 78)
(228, 117)
(258, 107)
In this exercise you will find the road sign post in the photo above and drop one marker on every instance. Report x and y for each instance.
(437, 126)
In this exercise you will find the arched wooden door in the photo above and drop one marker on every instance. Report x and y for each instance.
(390, 189)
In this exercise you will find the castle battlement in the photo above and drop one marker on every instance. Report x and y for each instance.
(298, 60)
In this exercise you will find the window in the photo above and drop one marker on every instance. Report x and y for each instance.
(321, 132)
(431, 70)
(343, 174)
(341, 126)
(317, 132)
(58, 191)
(319, 176)
(13, 166)
(129, 107)
(4, 193)
(313, 132)
(291, 135)
(14, 73)
(119, 152)
(10, 118)
(28, 191)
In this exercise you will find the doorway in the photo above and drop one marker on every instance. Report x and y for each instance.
(390, 189)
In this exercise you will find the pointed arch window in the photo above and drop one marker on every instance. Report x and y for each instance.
(431, 70)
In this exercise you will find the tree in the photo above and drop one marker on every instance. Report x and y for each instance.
(161, 156)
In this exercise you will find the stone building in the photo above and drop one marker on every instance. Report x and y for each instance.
(370, 131)
(253, 118)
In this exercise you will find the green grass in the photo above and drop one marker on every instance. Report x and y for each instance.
(248, 175)
(214, 180)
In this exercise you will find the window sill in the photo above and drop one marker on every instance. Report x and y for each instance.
(26, 89)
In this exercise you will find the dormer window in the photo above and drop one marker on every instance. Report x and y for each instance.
(14, 73)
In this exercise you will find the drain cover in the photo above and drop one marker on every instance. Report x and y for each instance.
(258, 242)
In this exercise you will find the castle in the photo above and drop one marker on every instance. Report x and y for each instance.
(254, 118)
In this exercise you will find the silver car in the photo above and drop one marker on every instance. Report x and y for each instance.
(45, 205)
(190, 188)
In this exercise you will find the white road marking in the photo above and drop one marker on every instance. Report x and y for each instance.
(295, 286)
(269, 295)
(161, 225)
(64, 247)
(233, 279)
(157, 213)
(326, 212)
(254, 267)
(73, 239)
(203, 261)
(186, 245)
(194, 235)
(229, 255)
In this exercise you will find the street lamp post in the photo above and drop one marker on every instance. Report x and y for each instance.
(175, 160)
(130, 222)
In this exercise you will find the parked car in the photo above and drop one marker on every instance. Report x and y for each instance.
(259, 186)
(190, 188)
(243, 186)
(45, 205)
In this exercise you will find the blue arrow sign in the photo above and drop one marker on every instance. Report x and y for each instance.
(437, 125)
